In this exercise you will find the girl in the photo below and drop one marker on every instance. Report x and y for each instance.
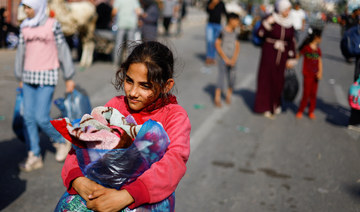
(228, 47)
(147, 78)
(40, 52)
(312, 71)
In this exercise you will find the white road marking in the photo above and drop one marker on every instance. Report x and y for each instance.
(340, 96)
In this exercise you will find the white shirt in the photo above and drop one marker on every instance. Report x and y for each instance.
(297, 17)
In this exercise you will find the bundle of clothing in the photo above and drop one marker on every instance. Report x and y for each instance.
(113, 151)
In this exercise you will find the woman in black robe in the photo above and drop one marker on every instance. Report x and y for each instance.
(278, 47)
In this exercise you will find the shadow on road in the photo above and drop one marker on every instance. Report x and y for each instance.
(248, 97)
(353, 190)
(12, 153)
(201, 56)
(210, 89)
(336, 114)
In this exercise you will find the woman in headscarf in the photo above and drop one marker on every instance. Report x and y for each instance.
(278, 47)
(41, 51)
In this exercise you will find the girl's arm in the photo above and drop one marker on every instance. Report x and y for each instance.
(320, 72)
(220, 50)
(19, 59)
(64, 53)
(161, 180)
(236, 53)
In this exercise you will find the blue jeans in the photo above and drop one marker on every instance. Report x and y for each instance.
(37, 104)
(212, 32)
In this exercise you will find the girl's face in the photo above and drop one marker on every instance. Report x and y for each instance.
(138, 90)
(317, 39)
(286, 13)
(234, 23)
(30, 12)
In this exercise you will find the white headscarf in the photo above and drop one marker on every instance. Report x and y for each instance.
(280, 7)
(39, 7)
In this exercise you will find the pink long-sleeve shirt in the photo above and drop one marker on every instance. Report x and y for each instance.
(162, 178)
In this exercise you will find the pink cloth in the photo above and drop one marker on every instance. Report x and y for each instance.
(41, 52)
(161, 180)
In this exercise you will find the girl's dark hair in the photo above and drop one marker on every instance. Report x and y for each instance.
(232, 16)
(157, 58)
(312, 34)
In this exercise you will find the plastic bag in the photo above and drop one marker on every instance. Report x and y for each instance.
(74, 105)
(291, 85)
(18, 120)
(257, 40)
(117, 167)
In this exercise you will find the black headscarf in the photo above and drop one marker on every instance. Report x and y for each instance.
(2, 17)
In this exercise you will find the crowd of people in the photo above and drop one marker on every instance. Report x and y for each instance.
(280, 34)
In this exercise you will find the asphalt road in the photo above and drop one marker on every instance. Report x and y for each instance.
(240, 161)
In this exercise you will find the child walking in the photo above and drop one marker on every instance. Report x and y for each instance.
(312, 71)
(147, 79)
(41, 51)
(228, 47)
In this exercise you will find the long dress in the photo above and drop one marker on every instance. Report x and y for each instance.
(278, 47)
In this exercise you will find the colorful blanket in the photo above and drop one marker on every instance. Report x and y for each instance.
(113, 151)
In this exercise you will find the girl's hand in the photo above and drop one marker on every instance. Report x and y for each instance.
(227, 61)
(319, 76)
(85, 187)
(21, 84)
(108, 199)
(70, 86)
(270, 20)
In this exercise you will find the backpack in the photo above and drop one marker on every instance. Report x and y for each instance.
(354, 95)
(256, 40)
(350, 42)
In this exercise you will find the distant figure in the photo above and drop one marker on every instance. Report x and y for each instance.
(312, 71)
(353, 19)
(170, 8)
(149, 20)
(41, 52)
(6, 30)
(126, 12)
(228, 48)
(298, 16)
(215, 9)
(181, 13)
(3, 27)
(104, 10)
(279, 46)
